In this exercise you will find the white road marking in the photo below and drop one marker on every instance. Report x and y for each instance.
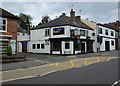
(115, 83)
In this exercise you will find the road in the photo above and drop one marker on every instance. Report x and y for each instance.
(34, 60)
(97, 73)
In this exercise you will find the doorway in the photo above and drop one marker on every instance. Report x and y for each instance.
(107, 46)
(83, 48)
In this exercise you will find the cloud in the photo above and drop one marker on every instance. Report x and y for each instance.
(96, 11)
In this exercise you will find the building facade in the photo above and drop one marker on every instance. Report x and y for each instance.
(64, 35)
(22, 40)
(105, 38)
(8, 31)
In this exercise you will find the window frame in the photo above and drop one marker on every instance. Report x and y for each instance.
(3, 24)
(68, 46)
(42, 47)
(47, 32)
(38, 47)
(106, 31)
(100, 30)
(33, 47)
(112, 43)
(112, 33)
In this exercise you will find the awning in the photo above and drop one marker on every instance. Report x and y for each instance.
(5, 36)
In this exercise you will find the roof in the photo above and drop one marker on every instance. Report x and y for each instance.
(4, 13)
(105, 25)
(89, 23)
(62, 21)
(21, 30)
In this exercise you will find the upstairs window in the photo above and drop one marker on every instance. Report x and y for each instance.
(106, 32)
(47, 32)
(72, 33)
(82, 32)
(3, 24)
(100, 30)
(112, 34)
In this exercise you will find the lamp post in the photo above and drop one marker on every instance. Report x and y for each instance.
(98, 38)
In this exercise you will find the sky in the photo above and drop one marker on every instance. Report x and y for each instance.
(100, 12)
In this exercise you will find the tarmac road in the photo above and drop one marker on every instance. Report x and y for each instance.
(98, 73)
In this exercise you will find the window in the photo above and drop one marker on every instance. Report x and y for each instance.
(33, 46)
(3, 24)
(100, 30)
(82, 32)
(72, 33)
(56, 45)
(106, 32)
(112, 43)
(42, 46)
(67, 45)
(47, 32)
(38, 46)
(112, 34)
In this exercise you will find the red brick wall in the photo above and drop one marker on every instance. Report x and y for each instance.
(12, 25)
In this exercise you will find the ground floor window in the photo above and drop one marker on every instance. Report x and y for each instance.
(112, 42)
(56, 45)
(42, 46)
(33, 46)
(67, 45)
(38, 46)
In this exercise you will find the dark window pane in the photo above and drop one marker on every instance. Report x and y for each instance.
(112, 34)
(56, 45)
(4, 22)
(67, 45)
(100, 30)
(4, 28)
(33, 46)
(106, 32)
(82, 32)
(112, 43)
(38, 46)
(42, 46)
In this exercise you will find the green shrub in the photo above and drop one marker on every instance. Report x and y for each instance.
(9, 50)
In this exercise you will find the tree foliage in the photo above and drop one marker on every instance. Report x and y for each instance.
(24, 20)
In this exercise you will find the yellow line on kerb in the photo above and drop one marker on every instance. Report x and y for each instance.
(72, 63)
(98, 59)
(85, 61)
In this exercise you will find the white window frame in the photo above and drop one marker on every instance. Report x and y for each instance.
(5, 25)
(48, 32)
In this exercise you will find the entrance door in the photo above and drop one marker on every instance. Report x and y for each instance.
(67, 47)
(83, 48)
(107, 46)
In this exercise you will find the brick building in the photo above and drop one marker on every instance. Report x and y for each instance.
(8, 31)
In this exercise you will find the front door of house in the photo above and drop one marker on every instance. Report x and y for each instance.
(83, 48)
(67, 47)
(107, 46)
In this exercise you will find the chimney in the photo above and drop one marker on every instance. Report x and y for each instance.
(78, 18)
(72, 15)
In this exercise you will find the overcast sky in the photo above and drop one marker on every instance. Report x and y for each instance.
(100, 12)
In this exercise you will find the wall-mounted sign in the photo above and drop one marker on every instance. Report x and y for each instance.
(58, 31)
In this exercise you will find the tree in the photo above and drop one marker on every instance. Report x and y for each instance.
(45, 19)
(24, 21)
(9, 50)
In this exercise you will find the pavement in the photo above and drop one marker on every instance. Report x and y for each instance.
(34, 60)
(98, 73)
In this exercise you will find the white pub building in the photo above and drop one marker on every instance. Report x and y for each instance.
(68, 35)
(63, 35)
